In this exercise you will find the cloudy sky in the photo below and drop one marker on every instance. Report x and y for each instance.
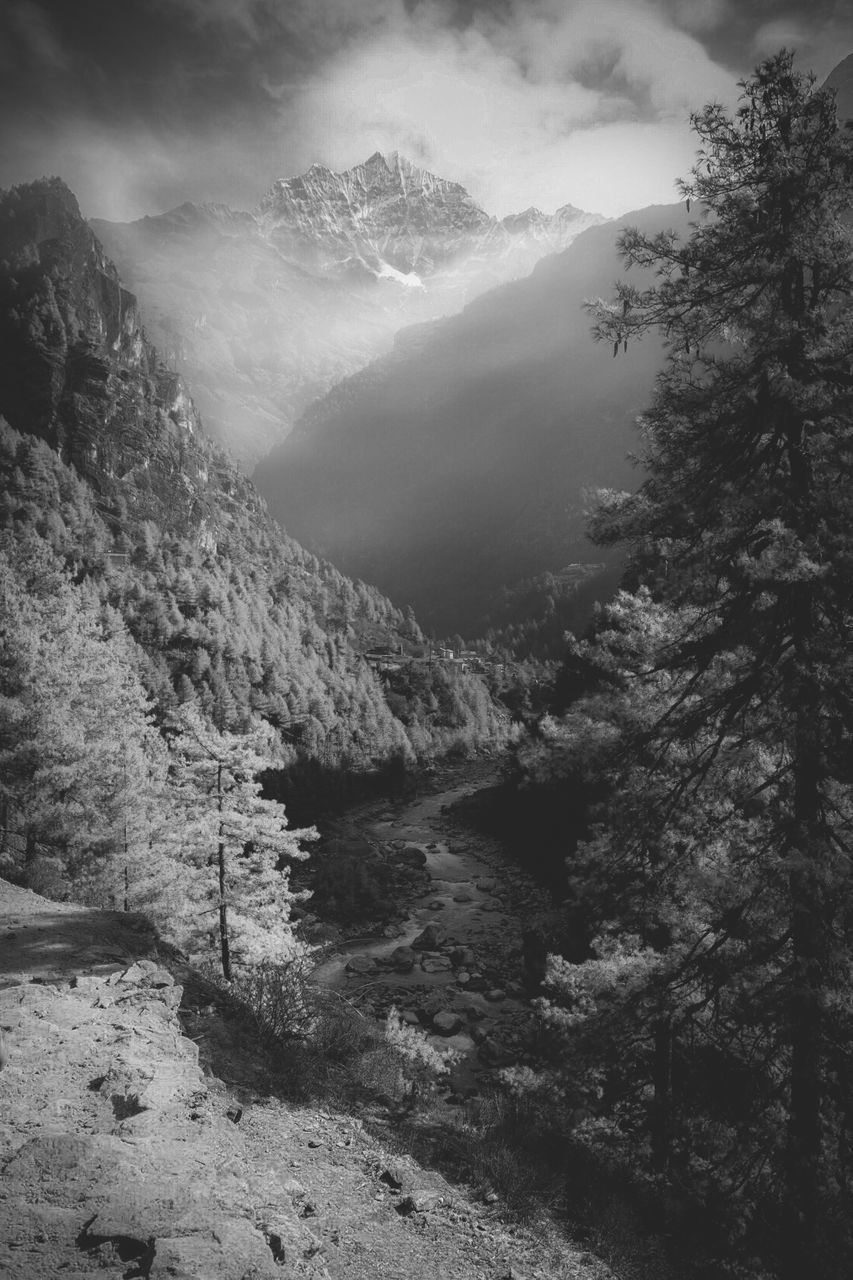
(142, 104)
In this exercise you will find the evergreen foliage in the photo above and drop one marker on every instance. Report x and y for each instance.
(236, 839)
(247, 622)
(712, 1011)
(82, 765)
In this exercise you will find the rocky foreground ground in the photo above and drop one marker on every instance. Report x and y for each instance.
(123, 1156)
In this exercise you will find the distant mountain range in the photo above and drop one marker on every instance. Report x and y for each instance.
(390, 219)
(264, 311)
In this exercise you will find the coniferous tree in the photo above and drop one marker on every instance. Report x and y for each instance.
(741, 761)
(235, 838)
(81, 762)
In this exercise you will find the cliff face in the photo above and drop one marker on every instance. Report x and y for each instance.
(77, 369)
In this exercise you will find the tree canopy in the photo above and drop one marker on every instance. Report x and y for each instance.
(717, 875)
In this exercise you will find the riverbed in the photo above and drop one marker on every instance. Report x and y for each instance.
(454, 965)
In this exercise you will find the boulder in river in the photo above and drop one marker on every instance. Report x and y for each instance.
(447, 1023)
(412, 856)
(434, 1003)
(360, 964)
(403, 959)
(435, 964)
(430, 939)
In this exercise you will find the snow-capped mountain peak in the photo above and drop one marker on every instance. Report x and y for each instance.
(392, 218)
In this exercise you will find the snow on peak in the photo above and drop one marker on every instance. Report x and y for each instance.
(410, 279)
(401, 222)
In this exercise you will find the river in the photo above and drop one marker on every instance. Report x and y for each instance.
(465, 986)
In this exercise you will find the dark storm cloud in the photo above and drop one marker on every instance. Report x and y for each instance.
(140, 104)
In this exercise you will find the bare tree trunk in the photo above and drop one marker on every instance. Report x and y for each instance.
(661, 1121)
(808, 943)
(224, 946)
(124, 796)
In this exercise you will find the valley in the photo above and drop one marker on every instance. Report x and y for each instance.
(462, 464)
(426, 700)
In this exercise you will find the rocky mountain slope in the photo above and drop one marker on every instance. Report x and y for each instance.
(384, 213)
(457, 465)
(264, 311)
(122, 1155)
(390, 213)
(76, 369)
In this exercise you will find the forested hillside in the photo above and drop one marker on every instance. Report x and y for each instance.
(152, 604)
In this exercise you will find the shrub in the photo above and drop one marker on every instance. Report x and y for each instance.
(279, 997)
(422, 1065)
(341, 1032)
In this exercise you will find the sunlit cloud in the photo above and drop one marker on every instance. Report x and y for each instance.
(582, 103)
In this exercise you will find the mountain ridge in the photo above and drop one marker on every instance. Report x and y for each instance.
(455, 467)
(388, 206)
